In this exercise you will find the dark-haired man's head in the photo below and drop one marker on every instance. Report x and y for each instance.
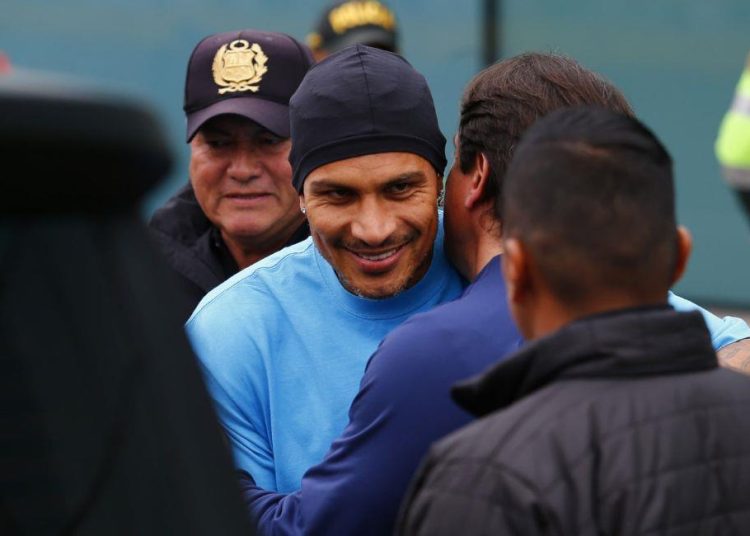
(498, 105)
(589, 219)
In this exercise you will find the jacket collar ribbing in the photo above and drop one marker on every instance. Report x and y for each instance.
(628, 343)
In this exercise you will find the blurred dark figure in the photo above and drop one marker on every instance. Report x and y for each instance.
(733, 142)
(616, 418)
(351, 22)
(105, 427)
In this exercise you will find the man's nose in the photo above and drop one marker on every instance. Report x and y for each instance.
(245, 163)
(373, 222)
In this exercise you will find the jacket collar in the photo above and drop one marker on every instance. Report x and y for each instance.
(627, 343)
(196, 245)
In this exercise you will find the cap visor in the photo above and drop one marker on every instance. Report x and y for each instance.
(268, 114)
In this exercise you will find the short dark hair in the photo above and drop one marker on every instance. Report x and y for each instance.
(505, 99)
(590, 192)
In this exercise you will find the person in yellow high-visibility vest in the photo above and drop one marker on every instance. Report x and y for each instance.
(733, 142)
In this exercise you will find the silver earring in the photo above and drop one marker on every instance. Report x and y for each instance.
(303, 210)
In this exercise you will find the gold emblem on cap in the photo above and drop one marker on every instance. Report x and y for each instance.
(353, 14)
(239, 66)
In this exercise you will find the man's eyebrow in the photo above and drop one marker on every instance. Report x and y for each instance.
(325, 184)
(408, 176)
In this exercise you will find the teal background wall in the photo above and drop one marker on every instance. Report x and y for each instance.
(676, 60)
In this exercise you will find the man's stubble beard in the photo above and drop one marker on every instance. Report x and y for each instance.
(405, 285)
(423, 265)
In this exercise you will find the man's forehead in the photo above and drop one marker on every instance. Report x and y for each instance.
(372, 169)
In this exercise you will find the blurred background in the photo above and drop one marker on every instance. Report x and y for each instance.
(676, 60)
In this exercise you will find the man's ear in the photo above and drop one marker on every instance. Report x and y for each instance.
(515, 262)
(684, 247)
(479, 177)
(302, 207)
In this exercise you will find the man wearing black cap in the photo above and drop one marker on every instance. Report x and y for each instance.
(240, 205)
(284, 343)
(351, 22)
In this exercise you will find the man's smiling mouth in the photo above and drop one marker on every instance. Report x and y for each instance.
(377, 256)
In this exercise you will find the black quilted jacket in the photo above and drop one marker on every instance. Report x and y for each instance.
(193, 247)
(618, 424)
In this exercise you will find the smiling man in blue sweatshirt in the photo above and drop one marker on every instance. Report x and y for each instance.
(404, 404)
(284, 343)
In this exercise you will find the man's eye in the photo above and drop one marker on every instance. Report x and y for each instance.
(270, 140)
(217, 143)
(399, 188)
(338, 194)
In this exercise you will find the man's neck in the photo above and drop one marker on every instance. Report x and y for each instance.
(555, 314)
(487, 248)
(486, 243)
(246, 254)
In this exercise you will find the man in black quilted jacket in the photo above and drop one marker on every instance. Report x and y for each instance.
(616, 418)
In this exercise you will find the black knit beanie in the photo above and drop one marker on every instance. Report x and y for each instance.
(362, 101)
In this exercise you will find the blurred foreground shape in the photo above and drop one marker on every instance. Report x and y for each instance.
(105, 427)
(733, 142)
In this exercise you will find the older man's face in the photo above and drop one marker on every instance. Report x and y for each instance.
(243, 182)
(374, 219)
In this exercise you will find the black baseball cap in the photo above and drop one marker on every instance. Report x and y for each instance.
(360, 101)
(352, 22)
(247, 72)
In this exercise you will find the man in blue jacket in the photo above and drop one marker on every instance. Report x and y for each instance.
(615, 417)
(404, 400)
